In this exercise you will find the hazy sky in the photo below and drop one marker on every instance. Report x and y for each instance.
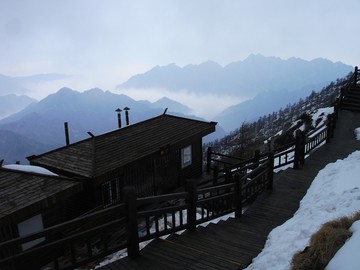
(103, 43)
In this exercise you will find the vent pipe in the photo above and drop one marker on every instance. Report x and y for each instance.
(126, 109)
(119, 116)
(67, 140)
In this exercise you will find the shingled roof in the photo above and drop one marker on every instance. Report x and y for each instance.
(25, 193)
(97, 155)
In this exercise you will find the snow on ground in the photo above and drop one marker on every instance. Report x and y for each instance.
(319, 116)
(334, 193)
(29, 168)
(344, 258)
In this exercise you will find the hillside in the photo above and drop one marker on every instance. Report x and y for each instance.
(10, 104)
(251, 134)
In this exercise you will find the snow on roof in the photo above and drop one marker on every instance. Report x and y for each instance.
(29, 168)
(357, 133)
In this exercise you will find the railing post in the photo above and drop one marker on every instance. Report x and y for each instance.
(271, 169)
(216, 171)
(302, 147)
(228, 176)
(208, 160)
(329, 128)
(336, 105)
(256, 159)
(342, 92)
(333, 124)
(299, 157)
(133, 249)
(191, 188)
(355, 75)
(238, 196)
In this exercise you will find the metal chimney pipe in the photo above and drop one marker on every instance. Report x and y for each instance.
(119, 117)
(67, 140)
(126, 109)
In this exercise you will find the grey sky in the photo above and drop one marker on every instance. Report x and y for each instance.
(103, 43)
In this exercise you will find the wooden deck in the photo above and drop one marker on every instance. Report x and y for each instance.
(232, 244)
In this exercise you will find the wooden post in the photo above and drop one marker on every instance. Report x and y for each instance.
(302, 148)
(336, 108)
(330, 128)
(256, 159)
(228, 176)
(208, 160)
(355, 75)
(133, 249)
(271, 170)
(191, 188)
(333, 121)
(342, 90)
(238, 196)
(216, 171)
(299, 157)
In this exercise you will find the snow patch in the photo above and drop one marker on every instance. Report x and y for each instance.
(357, 133)
(346, 257)
(29, 168)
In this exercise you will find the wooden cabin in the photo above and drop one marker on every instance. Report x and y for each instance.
(155, 155)
(31, 201)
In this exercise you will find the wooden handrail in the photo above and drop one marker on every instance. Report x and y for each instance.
(353, 80)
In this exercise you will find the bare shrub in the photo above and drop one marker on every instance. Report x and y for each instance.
(324, 244)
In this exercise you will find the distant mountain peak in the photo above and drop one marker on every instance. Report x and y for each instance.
(65, 89)
(95, 90)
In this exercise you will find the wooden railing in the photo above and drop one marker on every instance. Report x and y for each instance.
(98, 234)
(70, 244)
(353, 80)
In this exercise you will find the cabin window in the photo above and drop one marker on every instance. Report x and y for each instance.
(29, 226)
(186, 156)
(111, 192)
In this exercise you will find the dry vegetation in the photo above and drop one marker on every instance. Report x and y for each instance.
(324, 244)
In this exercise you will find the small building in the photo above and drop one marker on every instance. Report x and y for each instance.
(155, 155)
(32, 199)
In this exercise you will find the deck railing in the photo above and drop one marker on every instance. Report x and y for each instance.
(93, 236)
(353, 81)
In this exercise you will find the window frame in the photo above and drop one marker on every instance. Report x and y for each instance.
(186, 156)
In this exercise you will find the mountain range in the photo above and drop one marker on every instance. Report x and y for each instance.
(245, 78)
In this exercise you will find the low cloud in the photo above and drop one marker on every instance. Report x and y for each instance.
(202, 105)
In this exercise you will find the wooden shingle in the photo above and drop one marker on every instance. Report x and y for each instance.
(97, 155)
(23, 193)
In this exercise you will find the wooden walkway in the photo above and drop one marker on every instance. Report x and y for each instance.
(232, 244)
